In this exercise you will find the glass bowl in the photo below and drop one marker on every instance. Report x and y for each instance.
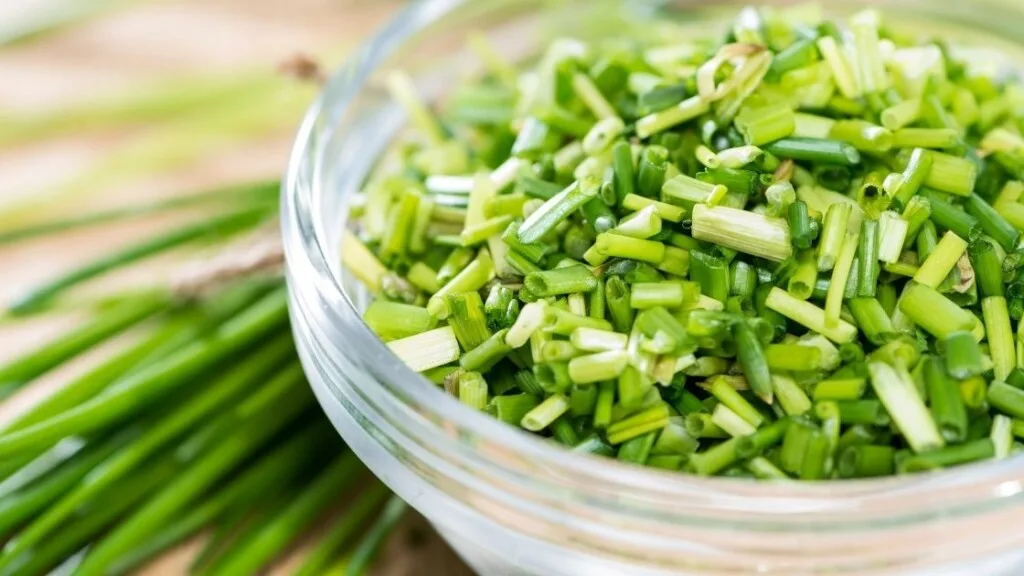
(512, 503)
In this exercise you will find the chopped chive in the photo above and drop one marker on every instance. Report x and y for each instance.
(649, 294)
(662, 120)
(544, 414)
(676, 261)
(992, 222)
(863, 412)
(810, 316)
(512, 408)
(901, 400)
(862, 135)
(925, 138)
(632, 387)
(962, 355)
(603, 406)
(487, 354)
(799, 225)
(742, 279)
(556, 210)
(428, 349)
(531, 318)
(563, 322)
(743, 231)
(651, 171)
(714, 459)
(423, 277)
(934, 114)
(594, 445)
(599, 215)
(468, 319)
(602, 135)
(763, 438)
(812, 126)
(837, 220)
(649, 420)
(660, 97)
(598, 367)
(557, 351)
(664, 211)
(699, 425)
(563, 432)
(947, 216)
(915, 174)
(591, 96)
(941, 261)
(795, 445)
(471, 278)
(617, 297)
(840, 276)
(473, 390)
(739, 182)
(801, 283)
(927, 240)
(842, 70)
(893, 232)
(567, 280)
(732, 423)
(1006, 399)
(793, 357)
(951, 174)
(872, 320)
(840, 389)
(643, 224)
(822, 150)
(866, 461)
(393, 320)
(730, 397)
(972, 390)
(674, 439)
(595, 340)
(949, 456)
(799, 54)
(536, 188)
(871, 74)
(901, 115)
(999, 335)
(739, 156)
(752, 358)
(689, 190)
(768, 124)
(867, 258)
(791, 397)
(546, 374)
(711, 272)
(618, 246)
(624, 178)
(947, 405)
(1001, 436)
(763, 469)
(522, 265)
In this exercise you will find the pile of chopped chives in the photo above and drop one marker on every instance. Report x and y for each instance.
(794, 253)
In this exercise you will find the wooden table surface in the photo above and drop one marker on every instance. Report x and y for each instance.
(141, 44)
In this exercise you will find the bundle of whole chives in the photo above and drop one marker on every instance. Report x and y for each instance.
(148, 500)
(836, 277)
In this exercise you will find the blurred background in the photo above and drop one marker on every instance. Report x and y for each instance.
(110, 102)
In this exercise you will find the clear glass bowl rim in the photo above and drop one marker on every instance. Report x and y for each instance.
(920, 496)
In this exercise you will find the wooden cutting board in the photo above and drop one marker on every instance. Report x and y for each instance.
(140, 44)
